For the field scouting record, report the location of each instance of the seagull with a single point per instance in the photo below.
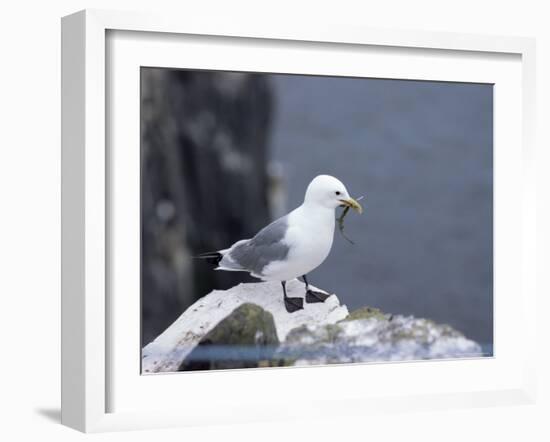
(292, 245)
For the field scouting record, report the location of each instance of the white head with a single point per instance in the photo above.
(329, 192)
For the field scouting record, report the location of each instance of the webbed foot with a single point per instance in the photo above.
(294, 304)
(313, 296)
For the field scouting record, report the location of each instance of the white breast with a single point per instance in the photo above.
(310, 234)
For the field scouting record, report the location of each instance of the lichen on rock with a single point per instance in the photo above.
(369, 335)
(244, 339)
(365, 313)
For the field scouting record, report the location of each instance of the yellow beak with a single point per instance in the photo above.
(350, 202)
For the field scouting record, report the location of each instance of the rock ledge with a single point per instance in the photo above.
(250, 320)
(171, 347)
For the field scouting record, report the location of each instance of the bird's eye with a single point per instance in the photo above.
(338, 192)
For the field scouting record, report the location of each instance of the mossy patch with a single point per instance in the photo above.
(326, 334)
(248, 324)
(246, 338)
(365, 313)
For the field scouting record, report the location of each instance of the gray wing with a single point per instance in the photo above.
(267, 246)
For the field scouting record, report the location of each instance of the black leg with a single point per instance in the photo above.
(314, 296)
(291, 304)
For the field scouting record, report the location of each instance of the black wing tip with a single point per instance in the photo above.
(210, 257)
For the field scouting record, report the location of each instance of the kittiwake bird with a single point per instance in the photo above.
(292, 245)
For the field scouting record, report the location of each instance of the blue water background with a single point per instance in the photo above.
(421, 154)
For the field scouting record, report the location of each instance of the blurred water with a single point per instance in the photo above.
(421, 153)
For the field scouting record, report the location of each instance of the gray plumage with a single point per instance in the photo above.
(255, 254)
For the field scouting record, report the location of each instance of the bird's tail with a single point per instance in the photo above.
(213, 258)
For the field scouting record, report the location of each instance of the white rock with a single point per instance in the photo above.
(167, 351)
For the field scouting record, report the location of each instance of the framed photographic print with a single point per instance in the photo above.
(251, 212)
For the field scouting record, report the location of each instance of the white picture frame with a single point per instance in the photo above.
(86, 204)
